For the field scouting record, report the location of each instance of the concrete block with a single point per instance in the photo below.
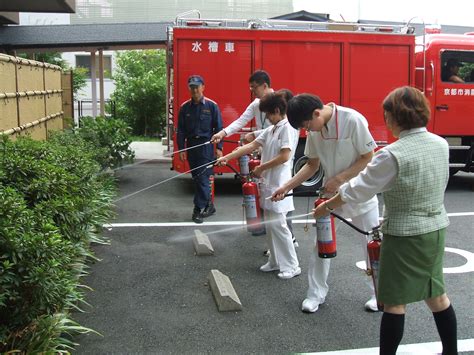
(224, 294)
(202, 244)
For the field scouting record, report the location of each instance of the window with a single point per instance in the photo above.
(457, 66)
(84, 61)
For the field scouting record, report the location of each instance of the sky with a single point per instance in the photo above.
(447, 12)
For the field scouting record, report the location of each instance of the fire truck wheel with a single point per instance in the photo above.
(314, 182)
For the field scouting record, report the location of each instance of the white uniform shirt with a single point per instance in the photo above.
(346, 138)
(378, 176)
(250, 112)
(273, 139)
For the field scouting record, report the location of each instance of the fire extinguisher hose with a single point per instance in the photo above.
(352, 225)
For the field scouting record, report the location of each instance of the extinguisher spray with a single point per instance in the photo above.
(373, 250)
(325, 232)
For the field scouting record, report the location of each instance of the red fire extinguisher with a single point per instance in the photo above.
(325, 233)
(254, 162)
(253, 213)
(211, 188)
(373, 250)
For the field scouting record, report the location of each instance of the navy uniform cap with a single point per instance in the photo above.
(195, 80)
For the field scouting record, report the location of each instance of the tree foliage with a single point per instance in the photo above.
(140, 90)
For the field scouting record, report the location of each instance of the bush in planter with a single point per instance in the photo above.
(53, 199)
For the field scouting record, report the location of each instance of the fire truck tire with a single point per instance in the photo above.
(310, 186)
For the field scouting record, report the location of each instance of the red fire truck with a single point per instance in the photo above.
(354, 65)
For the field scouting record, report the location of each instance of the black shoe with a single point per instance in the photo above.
(208, 211)
(197, 216)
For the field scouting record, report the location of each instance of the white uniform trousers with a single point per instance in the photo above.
(318, 269)
(282, 249)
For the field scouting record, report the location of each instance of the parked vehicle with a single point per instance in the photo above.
(354, 65)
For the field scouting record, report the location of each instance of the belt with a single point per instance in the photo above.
(197, 137)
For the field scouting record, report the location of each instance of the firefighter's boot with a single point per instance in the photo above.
(209, 210)
(197, 216)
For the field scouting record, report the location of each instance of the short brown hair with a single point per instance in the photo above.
(408, 107)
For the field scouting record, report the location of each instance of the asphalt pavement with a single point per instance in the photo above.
(150, 293)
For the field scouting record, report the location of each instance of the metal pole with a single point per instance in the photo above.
(101, 82)
(93, 86)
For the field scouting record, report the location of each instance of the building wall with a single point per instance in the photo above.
(119, 11)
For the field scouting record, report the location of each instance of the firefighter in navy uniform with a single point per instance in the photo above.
(199, 118)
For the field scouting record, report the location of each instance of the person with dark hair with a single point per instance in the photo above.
(199, 118)
(339, 139)
(259, 83)
(412, 174)
(450, 71)
(278, 144)
(470, 78)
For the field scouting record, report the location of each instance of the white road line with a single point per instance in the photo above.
(228, 223)
(408, 349)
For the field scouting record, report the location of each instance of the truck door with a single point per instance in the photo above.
(374, 71)
(305, 70)
(454, 103)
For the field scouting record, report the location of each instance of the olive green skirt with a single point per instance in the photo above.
(411, 268)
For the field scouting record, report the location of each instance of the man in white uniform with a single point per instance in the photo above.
(259, 83)
(338, 139)
(277, 143)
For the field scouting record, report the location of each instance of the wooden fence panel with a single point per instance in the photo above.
(55, 124)
(30, 78)
(30, 97)
(8, 113)
(53, 103)
(7, 76)
(31, 108)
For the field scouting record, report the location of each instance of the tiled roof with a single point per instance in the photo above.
(77, 37)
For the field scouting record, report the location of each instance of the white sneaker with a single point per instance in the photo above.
(269, 267)
(371, 305)
(285, 275)
(310, 306)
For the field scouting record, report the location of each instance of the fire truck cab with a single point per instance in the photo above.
(353, 65)
(451, 103)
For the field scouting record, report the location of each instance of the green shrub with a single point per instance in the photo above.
(110, 137)
(54, 199)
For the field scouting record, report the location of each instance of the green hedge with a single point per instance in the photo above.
(54, 198)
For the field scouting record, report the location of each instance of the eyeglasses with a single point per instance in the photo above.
(253, 87)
